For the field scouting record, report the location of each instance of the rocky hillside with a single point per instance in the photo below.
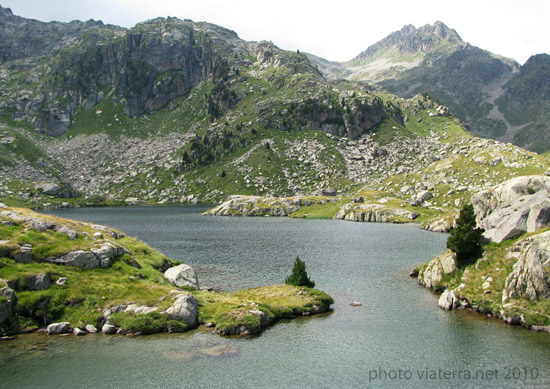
(510, 280)
(177, 111)
(68, 276)
(486, 91)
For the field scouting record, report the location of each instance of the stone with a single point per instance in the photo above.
(328, 192)
(58, 328)
(107, 253)
(49, 188)
(430, 276)
(423, 197)
(185, 308)
(78, 332)
(108, 329)
(39, 282)
(23, 255)
(73, 235)
(82, 259)
(528, 277)
(6, 308)
(91, 329)
(182, 275)
(448, 300)
(61, 281)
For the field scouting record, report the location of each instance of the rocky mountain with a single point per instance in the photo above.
(480, 87)
(177, 111)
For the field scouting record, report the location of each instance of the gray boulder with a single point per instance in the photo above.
(185, 308)
(448, 300)
(423, 196)
(82, 259)
(528, 277)
(182, 275)
(430, 276)
(78, 332)
(39, 282)
(73, 235)
(49, 188)
(6, 307)
(91, 329)
(58, 328)
(23, 255)
(513, 208)
(106, 254)
(108, 329)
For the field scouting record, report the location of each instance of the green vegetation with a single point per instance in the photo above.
(465, 237)
(135, 277)
(299, 275)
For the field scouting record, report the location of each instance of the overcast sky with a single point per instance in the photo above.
(337, 30)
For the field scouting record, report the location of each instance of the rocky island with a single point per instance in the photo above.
(67, 276)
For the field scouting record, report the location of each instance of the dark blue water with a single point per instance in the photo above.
(398, 338)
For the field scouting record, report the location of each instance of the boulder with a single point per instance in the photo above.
(49, 188)
(73, 235)
(107, 253)
(513, 208)
(58, 328)
(23, 255)
(423, 197)
(108, 329)
(185, 308)
(78, 332)
(430, 276)
(328, 192)
(528, 277)
(6, 307)
(182, 275)
(39, 282)
(82, 259)
(448, 300)
(91, 329)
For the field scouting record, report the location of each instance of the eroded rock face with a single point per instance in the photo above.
(513, 208)
(185, 308)
(430, 276)
(182, 275)
(6, 308)
(528, 277)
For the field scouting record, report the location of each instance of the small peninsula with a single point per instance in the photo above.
(65, 276)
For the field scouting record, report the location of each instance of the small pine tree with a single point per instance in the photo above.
(299, 275)
(464, 239)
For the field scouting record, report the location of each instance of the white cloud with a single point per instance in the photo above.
(336, 30)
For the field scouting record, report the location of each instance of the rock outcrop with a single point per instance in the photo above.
(182, 275)
(513, 208)
(374, 213)
(7, 303)
(530, 277)
(431, 274)
(185, 308)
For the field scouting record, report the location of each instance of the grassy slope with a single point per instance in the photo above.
(83, 297)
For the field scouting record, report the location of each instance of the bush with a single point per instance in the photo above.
(464, 238)
(299, 275)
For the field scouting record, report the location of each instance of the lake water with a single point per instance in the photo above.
(398, 338)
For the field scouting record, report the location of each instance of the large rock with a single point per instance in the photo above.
(82, 259)
(373, 213)
(39, 282)
(513, 208)
(6, 307)
(430, 276)
(530, 277)
(185, 308)
(448, 300)
(182, 275)
(49, 188)
(59, 328)
(108, 329)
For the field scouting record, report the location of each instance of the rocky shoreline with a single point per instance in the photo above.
(60, 277)
(509, 281)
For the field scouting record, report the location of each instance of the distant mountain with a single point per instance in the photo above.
(472, 82)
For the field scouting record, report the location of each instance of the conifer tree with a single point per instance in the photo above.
(464, 239)
(299, 275)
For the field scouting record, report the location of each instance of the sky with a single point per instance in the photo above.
(336, 30)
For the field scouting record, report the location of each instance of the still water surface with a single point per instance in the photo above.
(398, 338)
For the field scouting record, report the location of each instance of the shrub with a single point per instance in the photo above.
(299, 275)
(464, 239)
